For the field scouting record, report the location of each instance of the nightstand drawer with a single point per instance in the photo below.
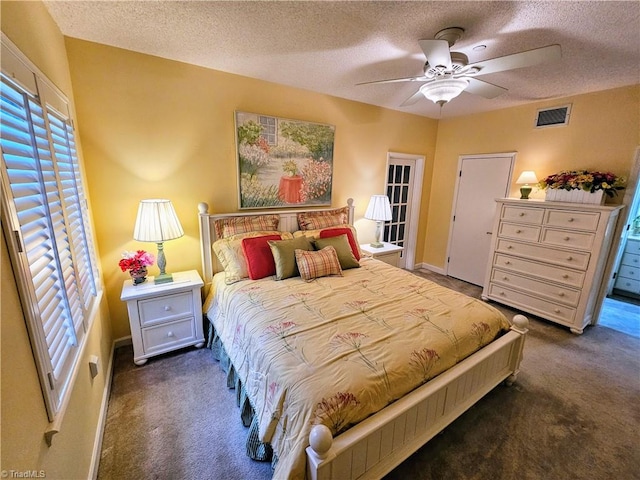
(538, 252)
(573, 220)
(566, 238)
(166, 308)
(628, 284)
(521, 232)
(168, 335)
(629, 272)
(631, 259)
(522, 214)
(633, 246)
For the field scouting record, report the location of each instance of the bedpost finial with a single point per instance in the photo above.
(521, 323)
(320, 440)
(203, 208)
(350, 202)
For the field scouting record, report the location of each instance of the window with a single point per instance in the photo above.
(44, 213)
(268, 129)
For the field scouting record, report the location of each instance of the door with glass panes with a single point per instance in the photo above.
(400, 178)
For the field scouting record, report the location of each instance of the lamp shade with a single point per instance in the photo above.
(442, 91)
(157, 222)
(528, 176)
(379, 208)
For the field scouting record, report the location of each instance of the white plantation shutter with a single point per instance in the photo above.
(45, 206)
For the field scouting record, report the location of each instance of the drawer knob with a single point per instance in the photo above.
(502, 293)
(570, 219)
(167, 308)
(567, 238)
(561, 294)
(566, 275)
(569, 258)
(507, 262)
(557, 310)
(505, 278)
(518, 231)
(169, 333)
(509, 247)
(521, 214)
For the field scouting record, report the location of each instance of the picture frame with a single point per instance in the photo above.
(283, 162)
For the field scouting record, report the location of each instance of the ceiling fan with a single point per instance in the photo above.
(447, 74)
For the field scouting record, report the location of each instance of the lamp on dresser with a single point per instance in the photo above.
(157, 222)
(525, 178)
(378, 210)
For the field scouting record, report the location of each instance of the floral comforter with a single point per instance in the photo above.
(338, 349)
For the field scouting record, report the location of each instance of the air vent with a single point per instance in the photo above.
(553, 117)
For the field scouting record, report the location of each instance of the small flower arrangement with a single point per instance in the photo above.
(584, 180)
(290, 168)
(135, 261)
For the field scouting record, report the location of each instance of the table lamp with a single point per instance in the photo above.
(157, 222)
(378, 210)
(525, 178)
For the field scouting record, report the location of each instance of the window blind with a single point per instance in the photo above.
(45, 203)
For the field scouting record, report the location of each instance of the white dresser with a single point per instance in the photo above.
(548, 258)
(164, 317)
(628, 277)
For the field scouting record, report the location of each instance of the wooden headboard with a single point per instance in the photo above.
(288, 223)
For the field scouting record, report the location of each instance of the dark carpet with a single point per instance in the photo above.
(574, 413)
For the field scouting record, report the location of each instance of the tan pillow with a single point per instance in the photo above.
(328, 218)
(317, 233)
(342, 247)
(231, 256)
(284, 255)
(321, 263)
(227, 227)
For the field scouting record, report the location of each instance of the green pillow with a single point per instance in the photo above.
(284, 255)
(343, 249)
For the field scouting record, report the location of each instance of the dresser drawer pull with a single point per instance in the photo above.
(169, 333)
(557, 310)
(507, 262)
(167, 308)
(567, 238)
(505, 278)
(509, 247)
(569, 258)
(502, 293)
(521, 214)
(518, 231)
(561, 294)
(570, 219)
(565, 275)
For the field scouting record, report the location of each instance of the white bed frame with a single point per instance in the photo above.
(378, 444)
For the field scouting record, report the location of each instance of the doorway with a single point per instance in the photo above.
(404, 189)
(481, 179)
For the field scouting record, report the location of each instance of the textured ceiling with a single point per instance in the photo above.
(329, 47)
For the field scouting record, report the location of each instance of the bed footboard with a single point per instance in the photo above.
(375, 446)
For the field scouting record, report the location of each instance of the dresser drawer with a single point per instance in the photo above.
(562, 275)
(168, 335)
(165, 308)
(629, 272)
(533, 304)
(627, 284)
(573, 220)
(537, 252)
(566, 238)
(521, 232)
(522, 214)
(555, 293)
(631, 260)
(633, 246)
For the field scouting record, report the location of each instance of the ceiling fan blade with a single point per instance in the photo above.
(437, 52)
(519, 60)
(421, 78)
(484, 89)
(412, 99)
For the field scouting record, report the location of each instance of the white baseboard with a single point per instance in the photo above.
(431, 268)
(97, 444)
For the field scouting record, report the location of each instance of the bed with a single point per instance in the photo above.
(343, 369)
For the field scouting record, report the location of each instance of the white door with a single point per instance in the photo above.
(481, 179)
(403, 187)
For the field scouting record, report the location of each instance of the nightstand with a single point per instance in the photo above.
(388, 253)
(164, 317)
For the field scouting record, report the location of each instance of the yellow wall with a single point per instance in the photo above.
(602, 134)
(158, 128)
(24, 417)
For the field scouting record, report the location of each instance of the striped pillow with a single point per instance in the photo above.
(323, 219)
(316, 264)
(227, 227)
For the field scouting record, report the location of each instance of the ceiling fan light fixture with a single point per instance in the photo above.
(445, 90)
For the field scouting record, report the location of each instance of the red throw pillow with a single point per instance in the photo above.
(334, 232)
(259, 258)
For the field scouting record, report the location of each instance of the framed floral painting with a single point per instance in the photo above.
(282, 162)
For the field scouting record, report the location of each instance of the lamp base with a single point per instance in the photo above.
(163, 278)
(376, 244)
(524, 192)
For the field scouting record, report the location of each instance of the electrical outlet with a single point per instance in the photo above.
(94, 365)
